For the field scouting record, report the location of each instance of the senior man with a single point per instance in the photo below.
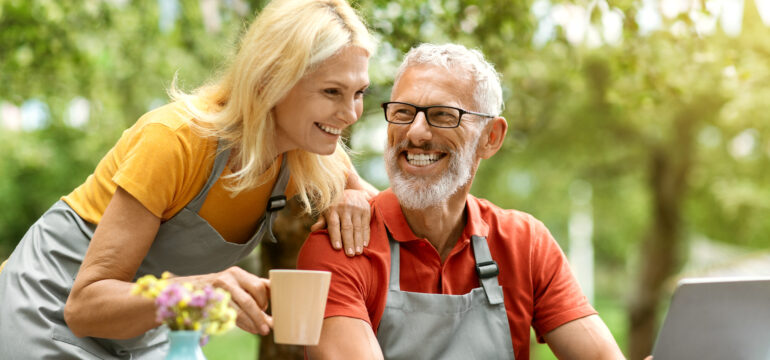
(447, 275)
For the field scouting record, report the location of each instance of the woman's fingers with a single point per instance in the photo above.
(348, 222)
(260, 291)
(358, 233)
(348, 235)
(252, 312)
(244, 322)
(365, 219)
(251, 295)
(333, 226)
(356, 209)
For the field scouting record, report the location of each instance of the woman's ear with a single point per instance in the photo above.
(492, 137)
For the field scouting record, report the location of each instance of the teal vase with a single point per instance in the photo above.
(184, 345)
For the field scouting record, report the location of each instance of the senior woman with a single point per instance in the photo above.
(192, 187)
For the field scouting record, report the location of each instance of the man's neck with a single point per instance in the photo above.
(441, 225)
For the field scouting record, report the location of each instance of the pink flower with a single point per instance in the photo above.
(183, 306)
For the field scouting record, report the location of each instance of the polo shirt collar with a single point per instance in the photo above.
(389, 210)
(476, 224)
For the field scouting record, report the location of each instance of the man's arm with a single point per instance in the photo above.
(584, 338)
(345, 337)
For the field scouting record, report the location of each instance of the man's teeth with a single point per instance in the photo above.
(329, 129)
(421, 159)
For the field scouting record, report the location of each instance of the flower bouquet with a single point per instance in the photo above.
(184, 306)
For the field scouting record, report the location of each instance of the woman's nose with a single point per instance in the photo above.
(350, 111)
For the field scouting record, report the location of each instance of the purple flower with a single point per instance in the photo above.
(184, 306)
(199, 300)
(163, 313)
(170, 296)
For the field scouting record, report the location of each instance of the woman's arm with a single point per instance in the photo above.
(100, 303)
(348, 219)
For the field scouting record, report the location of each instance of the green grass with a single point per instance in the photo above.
(236, 344)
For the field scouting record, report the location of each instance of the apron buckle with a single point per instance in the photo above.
(487, 269)
(276, 203)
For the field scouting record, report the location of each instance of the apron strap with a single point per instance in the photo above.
(394, 283)
(219, 165)
(487, 269)
(276, 202)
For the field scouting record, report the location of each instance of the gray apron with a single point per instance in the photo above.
(38, 277)
(438, 326)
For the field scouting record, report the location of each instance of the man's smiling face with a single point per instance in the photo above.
(426, 164)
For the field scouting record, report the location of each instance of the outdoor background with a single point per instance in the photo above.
(638, 130)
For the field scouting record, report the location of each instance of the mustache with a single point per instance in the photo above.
(427, 146)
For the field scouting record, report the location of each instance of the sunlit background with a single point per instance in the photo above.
(639, 130)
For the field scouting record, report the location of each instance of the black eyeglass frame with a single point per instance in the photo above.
(424, 110)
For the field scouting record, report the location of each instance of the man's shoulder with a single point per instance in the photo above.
(510, 227)
(491, 212)
(317, 248)
(317, 252)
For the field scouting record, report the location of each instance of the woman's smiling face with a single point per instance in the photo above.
(324, 102)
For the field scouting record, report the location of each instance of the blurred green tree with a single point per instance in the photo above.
(113, 55)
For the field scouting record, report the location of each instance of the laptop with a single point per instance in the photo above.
(717, 318)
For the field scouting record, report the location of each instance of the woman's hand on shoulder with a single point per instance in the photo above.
(348, 221)
(250, 294)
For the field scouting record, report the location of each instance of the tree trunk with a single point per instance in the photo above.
(291, 229)
(662, 246)
(658, 260)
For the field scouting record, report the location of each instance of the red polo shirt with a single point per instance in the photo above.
(538, 286)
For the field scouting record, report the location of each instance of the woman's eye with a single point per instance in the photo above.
(331, 91)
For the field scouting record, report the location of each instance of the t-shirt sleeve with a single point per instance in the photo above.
(558, 298)
(350, 276)
(152, 167)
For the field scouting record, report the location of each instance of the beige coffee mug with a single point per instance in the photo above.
(297, 302)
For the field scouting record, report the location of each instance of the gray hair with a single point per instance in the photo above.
(488, 93)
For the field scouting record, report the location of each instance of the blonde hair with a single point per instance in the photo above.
(287, 40)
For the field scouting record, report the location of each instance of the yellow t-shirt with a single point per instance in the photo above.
(164, 163)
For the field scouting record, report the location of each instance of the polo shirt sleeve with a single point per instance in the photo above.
(152, 167)
(558, 298)
(350, 282)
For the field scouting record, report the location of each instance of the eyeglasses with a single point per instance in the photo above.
(439, 116)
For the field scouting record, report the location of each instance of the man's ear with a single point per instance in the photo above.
(492, 137)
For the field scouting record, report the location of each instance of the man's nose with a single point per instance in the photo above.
(419, 130)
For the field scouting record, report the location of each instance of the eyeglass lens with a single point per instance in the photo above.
(436, 116)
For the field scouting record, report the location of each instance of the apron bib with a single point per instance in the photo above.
(438, 326)
(32, 297)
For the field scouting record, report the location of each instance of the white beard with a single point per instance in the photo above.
(414, 192)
